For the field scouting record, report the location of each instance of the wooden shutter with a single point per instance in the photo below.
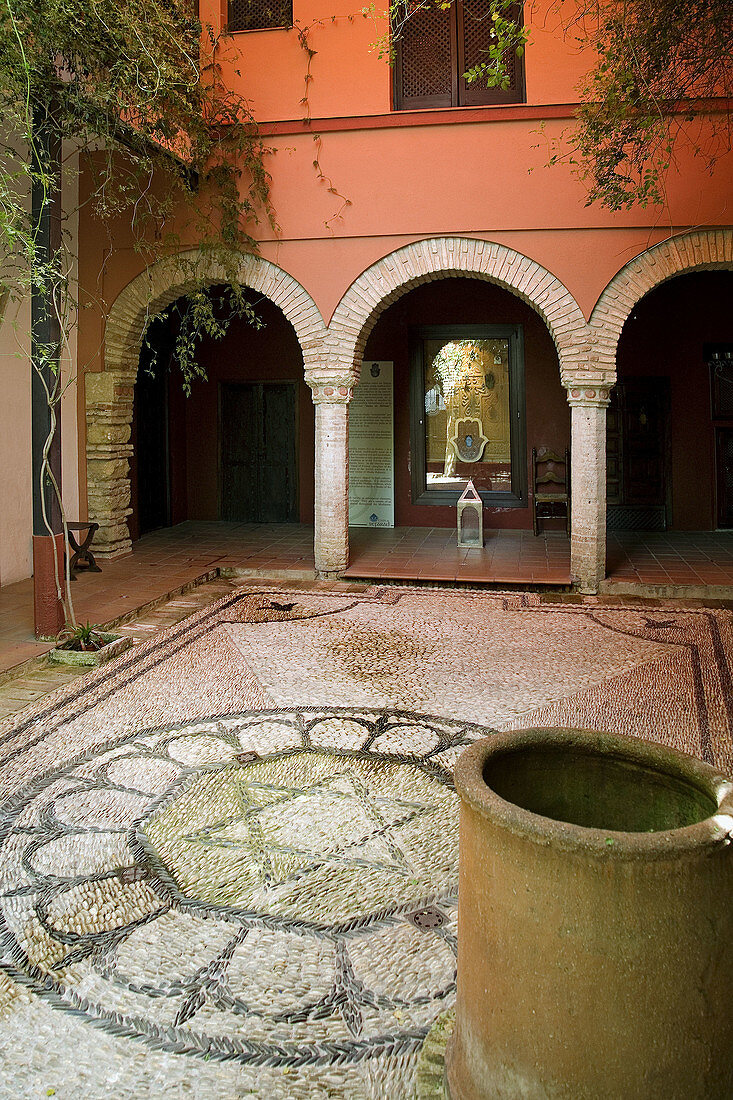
(474, 27)
(425, 74)
(437, 47)
(251, 15)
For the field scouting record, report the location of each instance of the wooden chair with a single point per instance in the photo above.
(551, 487)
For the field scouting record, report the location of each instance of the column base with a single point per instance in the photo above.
(330, 574)
(586, 589)
(110, 551)
(48, 610)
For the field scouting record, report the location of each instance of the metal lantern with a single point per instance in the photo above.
(470, 520)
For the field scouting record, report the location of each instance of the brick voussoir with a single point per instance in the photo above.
(684, 252)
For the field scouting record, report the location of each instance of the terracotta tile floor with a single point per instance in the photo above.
(663, 558)
(431, 553)
(160, 563)
(165, 560)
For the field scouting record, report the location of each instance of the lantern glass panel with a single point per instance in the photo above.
(469, 525)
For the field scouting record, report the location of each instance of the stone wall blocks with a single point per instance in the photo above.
(108, 501)
(109, 553)
(110, 433)
(107, 470)
(112, 534)
(106, 453)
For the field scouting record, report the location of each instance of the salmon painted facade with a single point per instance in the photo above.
(421, 225)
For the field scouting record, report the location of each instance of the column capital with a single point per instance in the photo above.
(596, 397)
(107, 387)
(331, 391)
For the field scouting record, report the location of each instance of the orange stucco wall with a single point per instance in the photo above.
(349, 77)
(477, 172)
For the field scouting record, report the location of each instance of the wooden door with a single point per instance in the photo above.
(240, 447)
(277, 480)
(637, 482)
(258, 468)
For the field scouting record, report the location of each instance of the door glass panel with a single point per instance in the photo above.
(467, 423)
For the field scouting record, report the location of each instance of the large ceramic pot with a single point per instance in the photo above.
(595, 937)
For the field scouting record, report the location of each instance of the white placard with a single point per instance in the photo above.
(371, 448)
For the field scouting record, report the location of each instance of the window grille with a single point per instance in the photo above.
(252, 15)
(426, 51)
(436, 47)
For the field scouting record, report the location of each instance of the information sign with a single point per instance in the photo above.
(371, 448)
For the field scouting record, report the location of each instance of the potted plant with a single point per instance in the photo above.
(87, 644)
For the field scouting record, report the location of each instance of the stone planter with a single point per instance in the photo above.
(595, 937)
(114, 645)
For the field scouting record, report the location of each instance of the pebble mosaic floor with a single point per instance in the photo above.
(228, 860)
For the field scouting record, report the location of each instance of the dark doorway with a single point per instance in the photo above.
(724, 465)
(637, 455)
(257, 439)
(152, 450)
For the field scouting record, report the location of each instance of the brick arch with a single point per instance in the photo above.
(441, 257)
(162, 283)
(698, 250)
(110, 393)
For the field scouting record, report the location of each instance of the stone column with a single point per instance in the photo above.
(588, 486)
(109, 399)
(331, 546)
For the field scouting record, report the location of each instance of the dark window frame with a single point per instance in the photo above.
(518, 496)
(721, 380)
(462, 93)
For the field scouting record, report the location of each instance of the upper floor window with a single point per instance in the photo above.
(437, 46)
(257, 15)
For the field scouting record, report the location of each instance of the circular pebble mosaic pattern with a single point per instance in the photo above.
(275, 888)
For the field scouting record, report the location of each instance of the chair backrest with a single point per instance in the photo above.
(551, 471)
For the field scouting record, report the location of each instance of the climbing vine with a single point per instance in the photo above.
(304, 41)
(132, 93)
(661, 74)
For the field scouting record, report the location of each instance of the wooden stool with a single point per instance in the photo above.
(82, 557)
